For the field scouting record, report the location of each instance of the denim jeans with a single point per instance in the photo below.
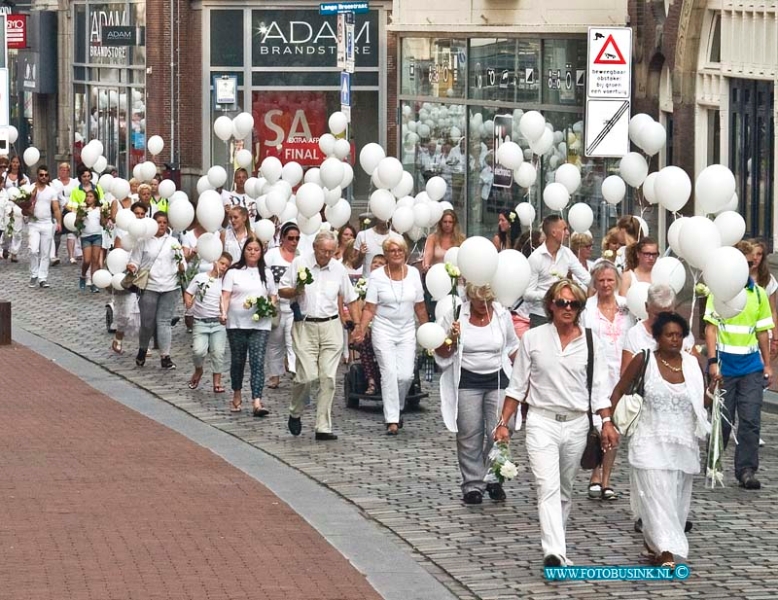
(743, 399)
(210, 336)
(156, 311)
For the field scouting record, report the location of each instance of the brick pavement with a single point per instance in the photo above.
(100, 502)
(409, 484)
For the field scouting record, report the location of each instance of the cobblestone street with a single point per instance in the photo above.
(409, 484)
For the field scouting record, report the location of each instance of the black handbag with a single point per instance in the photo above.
(592, 454)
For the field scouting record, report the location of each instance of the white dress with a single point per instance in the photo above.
(664, 456)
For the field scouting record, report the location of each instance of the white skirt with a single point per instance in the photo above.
(662, 500)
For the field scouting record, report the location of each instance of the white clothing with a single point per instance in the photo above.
(279, 346)
(556, 378)
(18, 182)
(40, 238)
(319, 299)
(611, 335)
(236, 199)
(639, 338)
(92, 224)
(163, 276)
(501, 327)
(241, 284)
(395, 352)
(542, 264)
(207, 292)
(189, 240)
(395, 300)
(374, 242)
(233, 245)
(589, 266)
(42, 211)
(279, 266)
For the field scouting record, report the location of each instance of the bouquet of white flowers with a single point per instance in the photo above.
(262, 307)
(360, 287)
(304, 276)
(500, 465)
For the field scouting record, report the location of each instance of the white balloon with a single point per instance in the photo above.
(672, 188)
(342, 149)
(633, 169)
(338, 122)
(222, 127)
(203, 184)
(124, 217)
(102, 278)
(436, 188)
(382, 204)
(415, 234)
(106, 182)
(544, 144)
(477, 260)
(243, 124)
(155, 145)
(217, 176)
(669, 271)
(178, 195)
(728, 309)
(97, 145)
(116, 280)
(209, 246)
(181, 214)
(101, 164)
(151, 227)
(648, 188)
(652, 138)
(275, 202)
(512, 276)
(210, 210)
(421, 215)
(673, 235)
(310, 199)
(526, 213)
(556, 196)
(262, 208)
(332, 197)
(292, 173)
(264, 230)
(436, 213)
(31, 156)
(313, 176)
(243, 158)
(369, 157)
(309, 226)
(69, 221)
(731, 226)
(580, 217)
(636, 125)
(733, 204)
(570, 176)
(532, 125)
(438, 282)
(89, 156)
(339, 214)
(13, 134)
(714, 188)
(331, 172)
(643, 224)
(446, 307)
(408, 201)
(725, 272)
(510, 155)
(148, 170)
(137, 228)
(430, 336)
(403, 219)
(289, 213)
(405, 186)
(699, 237)
(327, 144)
(613, 189)
(348, 176)
(271, 169)
(451, 256)
(136, 172)
(526, 175)
(390, 171)
(637, 295)
(117, 260)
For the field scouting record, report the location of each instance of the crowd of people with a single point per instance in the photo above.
(556, 363)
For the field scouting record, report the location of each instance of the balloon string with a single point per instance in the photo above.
(696, 278)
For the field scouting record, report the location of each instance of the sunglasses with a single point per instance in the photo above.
(293, 238)
(43, 174)
(568, 304)
(650, 254)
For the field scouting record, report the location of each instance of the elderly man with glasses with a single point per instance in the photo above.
(40, 233)
(561, 373)
(318, 283)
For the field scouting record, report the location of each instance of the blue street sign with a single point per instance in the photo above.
(334, 8)
(345, 88)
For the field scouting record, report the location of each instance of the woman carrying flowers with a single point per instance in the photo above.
(245, 283)
(89, 224)
(13, 177)
(203, 297)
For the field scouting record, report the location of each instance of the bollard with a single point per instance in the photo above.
(5, 323)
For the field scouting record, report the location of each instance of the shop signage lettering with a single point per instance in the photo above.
(16, 31)
(298, 37)
(122, 35)
(109, 19)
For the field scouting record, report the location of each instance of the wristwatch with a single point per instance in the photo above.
(713, 361)
(606, 420)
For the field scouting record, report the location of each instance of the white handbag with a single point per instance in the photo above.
(627, 412)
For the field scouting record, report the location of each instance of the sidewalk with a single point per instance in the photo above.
(101, 502)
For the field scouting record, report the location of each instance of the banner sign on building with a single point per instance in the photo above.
(16, 31)
(119, 35)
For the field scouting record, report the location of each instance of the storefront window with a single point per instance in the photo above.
(227, 38)
(505, 70)
(564, 69)
(434, 67)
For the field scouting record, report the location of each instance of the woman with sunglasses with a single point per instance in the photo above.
(550, 376)
(641, 258)
(234, 236)
(280, 355)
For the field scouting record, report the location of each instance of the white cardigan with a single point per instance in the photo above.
(451, 366)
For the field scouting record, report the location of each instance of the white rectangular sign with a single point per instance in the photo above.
(5, 106)
(350, 50)
(341, 35)
(607, 128)
(609, 64)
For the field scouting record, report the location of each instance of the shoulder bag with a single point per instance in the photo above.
(627, 412)
(138, 281)
(592, 454)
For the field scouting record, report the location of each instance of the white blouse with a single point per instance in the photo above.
(242, 283)
(395, 300)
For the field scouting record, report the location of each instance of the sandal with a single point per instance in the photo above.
(595, 491)
(370, 390)
(116, 346)
(194, 383)
(236, 408)
(392, 429)
(609, 494)
(260, 411)
(665, 559)
(218, 389)
(274, 383)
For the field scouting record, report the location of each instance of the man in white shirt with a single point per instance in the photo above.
(369, 242)
(40, 233)
(551, 375)
(239, 197)
(317, 338)
(550, 263)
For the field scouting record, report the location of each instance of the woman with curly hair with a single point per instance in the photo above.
(508, 230)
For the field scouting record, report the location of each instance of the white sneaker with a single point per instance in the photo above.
(761, 442)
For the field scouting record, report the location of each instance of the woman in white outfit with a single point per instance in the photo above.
(14, 177)
(234, 236)
(279, 345)
(641, 258)
(476, 368)
(664, 450)
(609, 319)
(394, 295)
(126, 309)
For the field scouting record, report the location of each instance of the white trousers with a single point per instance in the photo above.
(555, 450)
(39, 239)
(395, 353)
(279, 346)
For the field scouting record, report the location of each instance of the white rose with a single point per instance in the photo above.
(255, 317)
(508, 470)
